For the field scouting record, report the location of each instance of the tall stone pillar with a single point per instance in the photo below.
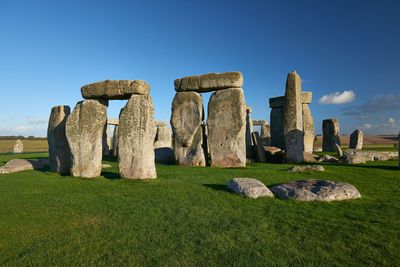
(115, 141)
(186, 119)
(249, 130)
(356, 139)
(106, 141)
(293, 119)
(84, 131)
(265, 134)
(308, 123)
(276, 122)
(163, 136)
(59, 152)
(331, 134)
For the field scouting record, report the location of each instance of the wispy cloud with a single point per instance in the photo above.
(376, 104)
(338, 98)
(391, 125)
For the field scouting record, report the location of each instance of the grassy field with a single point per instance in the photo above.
(29, 145)
(187, 218)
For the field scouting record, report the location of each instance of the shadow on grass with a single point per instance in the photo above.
(382, 167)
(217, 187)
(111, 175)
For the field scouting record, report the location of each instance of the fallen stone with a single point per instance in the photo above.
(320, 190)
(84, 130)
(328, 158)
(115, 89)
(274, 154)
(249, 187)
(106, 166)
(356, 139)
(307, 168)
(18, 147)
(136, 133)
(59, 151)
(353, 156)
(209, 82)
(18, 165)
(227, 128)
(187, 138)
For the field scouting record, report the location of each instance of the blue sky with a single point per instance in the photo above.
(49, 49)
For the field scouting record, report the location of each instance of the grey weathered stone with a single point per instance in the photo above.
(258, 148)
(136, 133)
(249, 187)
(18, 165)
(338, 150)
(356, 139)
(59, 152)
(265, 134)
(307, 168)
(277, 136)
(328, 158)
(277, 102)
(186, 118)
(115, 89)
(18, 147)
(250, 153)
(115, 142)
(331, 134)
(227, 128)
(274, 154)
(209, 82)
(163, 136)
(354, 156)
(107, 142)
(84, 131)
(309, 157)
(321, 190)
(309, 130)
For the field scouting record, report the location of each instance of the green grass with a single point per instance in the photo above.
(187, 218)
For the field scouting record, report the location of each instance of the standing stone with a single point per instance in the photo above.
(331, 134)
(84, 130)
(265, 134)
(277, 137)
(186, 119)
(18, 147)
(309, 130)
(205, 142)
(227, 128)
(106, 141)
(259, 149)
(115, 141)
(136, 133)
(163, 136)
(249, 130)
(293, 119)
(59, 152)
(356, 139)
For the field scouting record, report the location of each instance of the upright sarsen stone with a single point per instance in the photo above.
(136, 133)
(331, 134)
(163, 136)
(250, 152)
(356, 139)
(59, 152)
(18, 147)
(84, 131)
(227, 128)
(115, 142)
(293, 119)
(265, 134)
(309, 130)
(186, 119)
(276, 119)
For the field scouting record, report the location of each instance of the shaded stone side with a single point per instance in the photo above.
(59, 152)
(277, 137)
(265, 134)
(331, 134)
(115, 142)
(107, 143)
(249, 139)
(136, 133)
(186, 118)
(84, 131)
(356, 139)
(309, 130)
(258, 148)
(227, 128)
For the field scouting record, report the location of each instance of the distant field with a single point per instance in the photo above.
(29, 145)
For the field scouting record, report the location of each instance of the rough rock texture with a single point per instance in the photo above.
(327, 158)
(117, 89)
(353, 156)
(209, 82)
(265, 134)
(293, 119)
(107, 143)
(115, 142)
(18, 165)
(309, 157)
(338, 150)
(356, 139)
(164, 155)
(163, 136)
(321, 190)
(331, 134)
(84, 130)
(274, 154)
(309, 130)
(307, 168)
(250, 153)
(249, 187)
(136, 133)
(258, 148)
(18, 147)
(277, 137)
(227, 128)
(59, 152)
(186, 118)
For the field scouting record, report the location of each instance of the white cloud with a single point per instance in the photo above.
(338, 97)
(390, 126)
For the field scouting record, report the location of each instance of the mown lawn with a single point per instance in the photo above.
(187, 218)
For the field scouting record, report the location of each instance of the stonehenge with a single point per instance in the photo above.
(59, 151)
(331, 134)
(225, 130)
(356, 139)
(18, 147)
(249, 131)
(163, 136)
(115, 90)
